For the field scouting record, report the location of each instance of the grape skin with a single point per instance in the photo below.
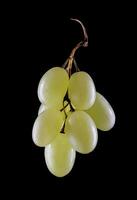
(81, 131)
(60, 156)
(102, 113)
(42, 108)
(81, 91)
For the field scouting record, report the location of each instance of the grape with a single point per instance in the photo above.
(46, 127)
(102, 113)
(81, 131)
(81, 91)
(60, 156)
(53, 87)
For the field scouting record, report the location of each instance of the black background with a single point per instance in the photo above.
(38, 38)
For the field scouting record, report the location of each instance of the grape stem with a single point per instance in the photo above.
(64, 107)
(83, 43)
(72, 110)
(63, 128)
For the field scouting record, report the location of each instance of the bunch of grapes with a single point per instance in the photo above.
(71, 111)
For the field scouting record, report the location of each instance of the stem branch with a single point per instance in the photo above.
(83, 43)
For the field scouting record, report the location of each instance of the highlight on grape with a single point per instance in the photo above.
(70, 113)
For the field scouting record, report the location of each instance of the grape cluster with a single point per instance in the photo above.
(71, 111)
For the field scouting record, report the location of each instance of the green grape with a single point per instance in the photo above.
(60, 156)
(47, 126)
(81, 91)
(53, 87)
(42, 108)
(81, 131)
(102, 113)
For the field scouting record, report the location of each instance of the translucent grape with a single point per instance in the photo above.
(81, 131)
(81, 91)
(60, 156)
(47, 125)
(53, 87)
(102, 113)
